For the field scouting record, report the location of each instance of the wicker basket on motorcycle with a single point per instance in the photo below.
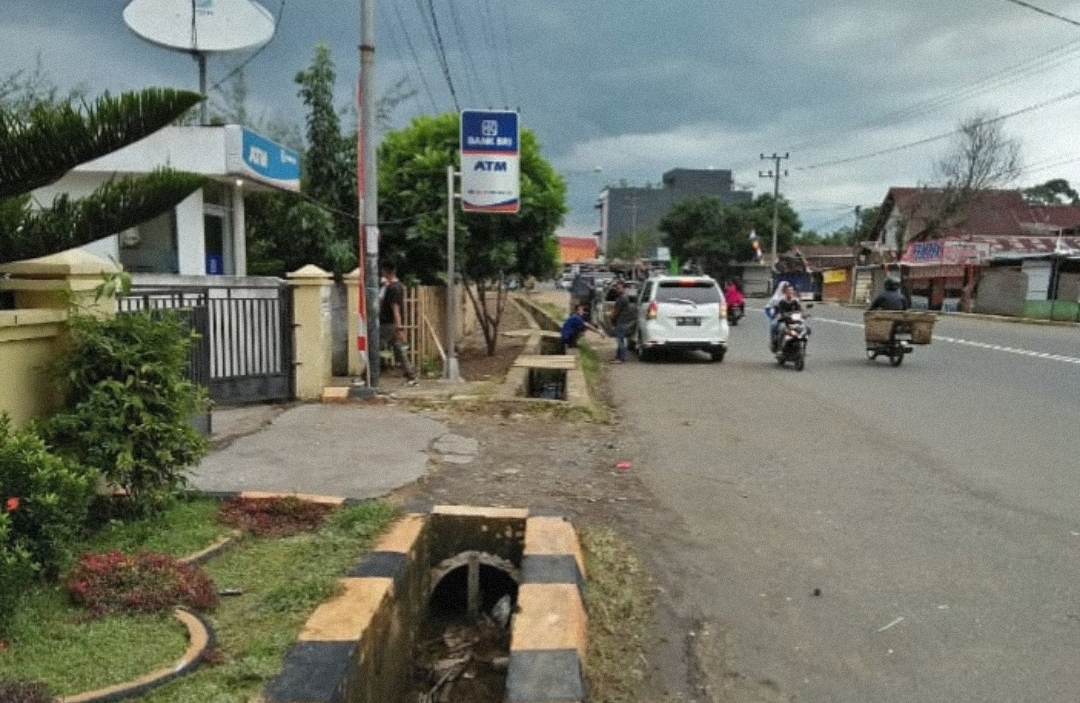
(878, 325)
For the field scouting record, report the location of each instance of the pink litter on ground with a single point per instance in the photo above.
(623, 466)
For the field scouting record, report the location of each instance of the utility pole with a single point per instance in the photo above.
(452, 372)
(774, 174)
(368, 188)
(633, 207)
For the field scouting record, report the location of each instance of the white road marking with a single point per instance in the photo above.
(978, 345)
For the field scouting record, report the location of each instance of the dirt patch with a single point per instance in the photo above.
(476, 365)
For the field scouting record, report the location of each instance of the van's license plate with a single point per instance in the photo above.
(688, 321)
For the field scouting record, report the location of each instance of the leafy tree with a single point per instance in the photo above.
(640, 244)
(702, 230)
(1056, 191)
(37, 148)
(490, 247)
(286, 232)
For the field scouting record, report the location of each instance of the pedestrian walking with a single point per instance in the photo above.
(391, 315)
(622, 314)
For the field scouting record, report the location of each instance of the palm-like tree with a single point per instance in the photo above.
(38, 148)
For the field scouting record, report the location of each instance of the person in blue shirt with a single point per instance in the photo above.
(574, 326)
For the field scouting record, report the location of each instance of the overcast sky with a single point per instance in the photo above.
(639, 86)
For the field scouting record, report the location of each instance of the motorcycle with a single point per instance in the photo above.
(735, 313)
(793, 334)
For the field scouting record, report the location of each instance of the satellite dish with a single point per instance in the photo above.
(201, 27)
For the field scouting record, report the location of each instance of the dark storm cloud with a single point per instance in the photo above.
(640, 86)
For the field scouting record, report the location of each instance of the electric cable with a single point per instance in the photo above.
(412, 51)
(254, 55)
(510, 62)
(994, 81)
(1041, 11)
(1069, 95)
(489, 37)
(441, 50)
(470, 65)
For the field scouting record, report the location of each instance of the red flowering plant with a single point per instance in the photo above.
(44, 498)
(113, 582)
(274, 517)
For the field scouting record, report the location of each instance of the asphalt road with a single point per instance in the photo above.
(936, 506)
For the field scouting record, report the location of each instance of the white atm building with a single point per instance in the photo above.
(205, 233)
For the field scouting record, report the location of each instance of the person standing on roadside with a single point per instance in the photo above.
(391, 316)
(621, 316)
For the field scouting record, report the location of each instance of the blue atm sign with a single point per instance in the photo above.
(490, 161)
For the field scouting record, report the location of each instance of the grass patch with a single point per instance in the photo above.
(189, 525)
(283, 579)
(52, 642)
(619, 601)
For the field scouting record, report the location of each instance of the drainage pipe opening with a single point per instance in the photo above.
(464, 645)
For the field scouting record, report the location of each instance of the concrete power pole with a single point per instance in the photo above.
(369, 205)
(775, 175)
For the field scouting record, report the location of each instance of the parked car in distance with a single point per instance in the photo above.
(681, 312)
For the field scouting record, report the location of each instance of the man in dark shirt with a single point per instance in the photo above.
(892, 298)
(621, 316)
(391, 314)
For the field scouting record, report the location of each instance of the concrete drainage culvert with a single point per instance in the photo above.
(461, 605)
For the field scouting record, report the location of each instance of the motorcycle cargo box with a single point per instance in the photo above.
(879, 325)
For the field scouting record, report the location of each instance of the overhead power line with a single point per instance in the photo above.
(945, 135)
(254, 55)
(476, 84)
(489, 37)
(415, 57)
(441, 50)
(1041, 11)
(993, 81)
(510, 62)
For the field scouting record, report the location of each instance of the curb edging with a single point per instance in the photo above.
(201, 639)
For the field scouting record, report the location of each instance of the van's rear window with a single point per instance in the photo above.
(697, 292)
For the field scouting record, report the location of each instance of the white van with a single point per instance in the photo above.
(681, 312)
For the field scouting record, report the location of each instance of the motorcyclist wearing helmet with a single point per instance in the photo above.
(891, 298)
(787, 305)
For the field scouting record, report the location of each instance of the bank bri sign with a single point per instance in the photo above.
(490, 161)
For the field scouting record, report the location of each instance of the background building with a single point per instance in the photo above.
(627, 209)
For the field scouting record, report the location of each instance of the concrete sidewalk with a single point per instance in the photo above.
(356, 451)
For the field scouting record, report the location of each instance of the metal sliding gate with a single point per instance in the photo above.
(244, 349)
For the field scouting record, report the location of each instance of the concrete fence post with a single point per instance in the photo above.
(59, 280)
(311, 322)
(352, 297)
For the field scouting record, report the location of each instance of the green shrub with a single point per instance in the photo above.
(129, 403)
(16, 571)
(45, 498)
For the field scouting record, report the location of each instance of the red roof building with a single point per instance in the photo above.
(575, 249)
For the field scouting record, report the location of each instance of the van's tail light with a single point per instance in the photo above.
(723, 311)
(652, 311)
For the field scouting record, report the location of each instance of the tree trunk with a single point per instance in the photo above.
(488, 325)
